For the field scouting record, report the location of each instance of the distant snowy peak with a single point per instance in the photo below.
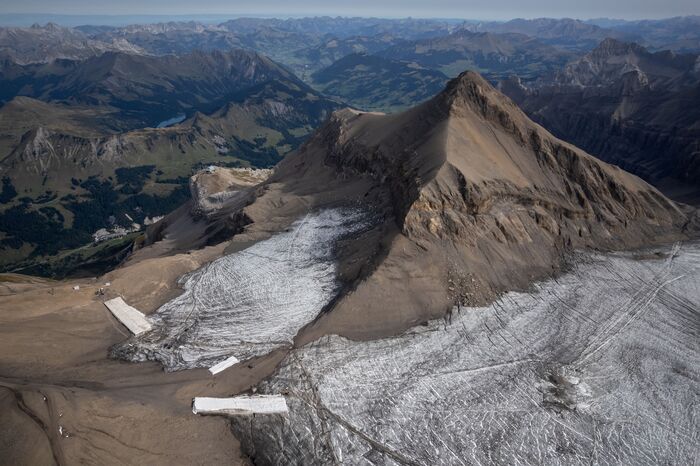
(44, 44)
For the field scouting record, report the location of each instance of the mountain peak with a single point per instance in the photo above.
(471, 93)
(611, 47)
(468, 88)
(467, 178)
(469, 78)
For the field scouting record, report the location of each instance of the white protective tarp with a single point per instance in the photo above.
(223, 365)
(130, 317)
(241, 405)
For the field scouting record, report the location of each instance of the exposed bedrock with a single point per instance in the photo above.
(482, 200)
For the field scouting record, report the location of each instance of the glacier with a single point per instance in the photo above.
(251, 302)
(600, 365)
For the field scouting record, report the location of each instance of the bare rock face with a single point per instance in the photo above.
(477, 199)
(44, 44)
(214, 186)
(627, 106)
(603, 64)
(554, 184)
(43, 151)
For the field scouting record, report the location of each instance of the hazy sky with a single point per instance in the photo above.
(470, 9)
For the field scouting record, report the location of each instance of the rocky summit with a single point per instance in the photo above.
(461, 181)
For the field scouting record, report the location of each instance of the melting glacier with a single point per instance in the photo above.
(598, 366)
(250, 302)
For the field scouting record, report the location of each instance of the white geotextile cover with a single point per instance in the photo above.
(241, 405)
(130, 317)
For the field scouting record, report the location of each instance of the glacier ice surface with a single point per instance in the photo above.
(250, 302)
(598, 366)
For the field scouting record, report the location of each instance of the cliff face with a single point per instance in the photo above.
(476, 199)
(471, 149)
(214, 187)
(498, 160)
(627, 106)
(613, 59)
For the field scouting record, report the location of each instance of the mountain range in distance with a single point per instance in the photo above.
(372, 82)
(82, 105)
(629, 106)
(75, 131)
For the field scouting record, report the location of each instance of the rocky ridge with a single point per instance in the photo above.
(627, 106)
(476, 197)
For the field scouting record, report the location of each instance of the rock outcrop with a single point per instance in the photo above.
(476, 199)
(627, 106)
(213, 187)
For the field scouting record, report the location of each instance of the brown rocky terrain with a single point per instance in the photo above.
(470, 198)
(212, 188)
(475, 199)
